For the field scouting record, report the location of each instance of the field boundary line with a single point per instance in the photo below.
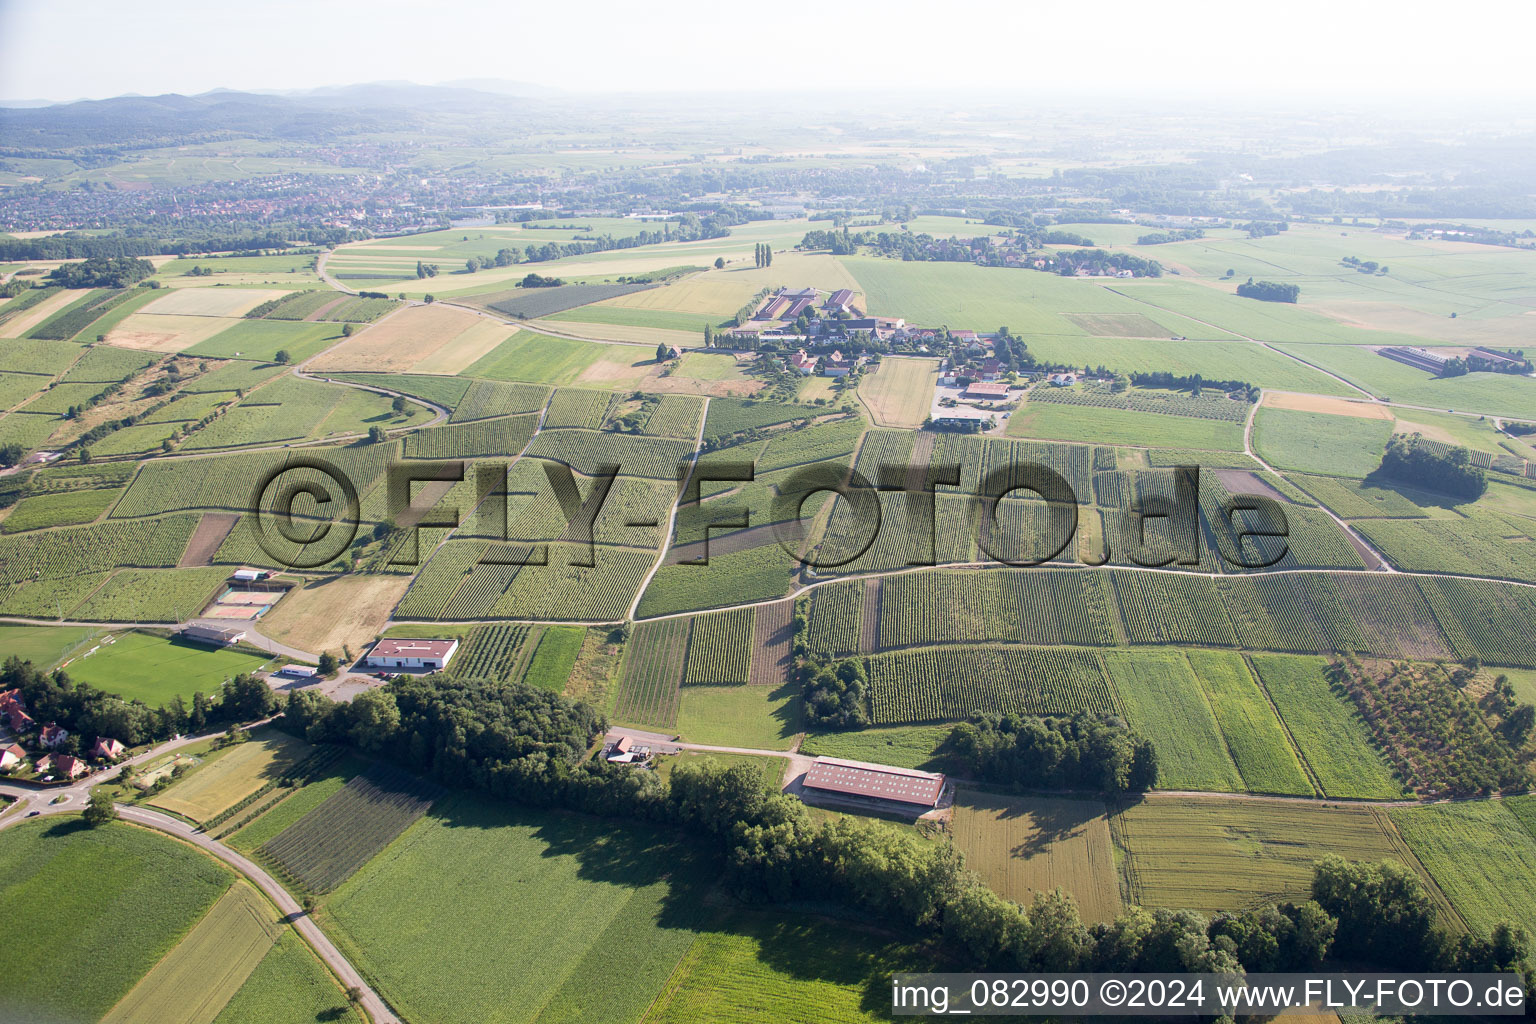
(666, 539)
(1301, 758)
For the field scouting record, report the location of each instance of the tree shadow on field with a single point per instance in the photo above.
(1053, 819)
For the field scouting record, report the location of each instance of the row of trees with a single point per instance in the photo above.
(102, 272)
(1412, 459)
(1080, 752)
(528, 745)
(762, 255)
(1269, 291)
(87, 712)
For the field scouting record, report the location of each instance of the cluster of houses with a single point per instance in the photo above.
(795, 315)
(834, 365)
(51, 765)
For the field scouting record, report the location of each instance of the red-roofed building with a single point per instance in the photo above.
(19, 720)
(68, 766)
(11, 698)
(806, 364)
(987, 392)
(52, 735)
(877, 782)
(432, 655)
(107, 748)
(12, 756)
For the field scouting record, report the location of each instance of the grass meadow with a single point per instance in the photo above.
(764, 717)
(74, 886)
(554, 658)
(44, 645)
(1490, 393)
(906, 746)
(154, 668)
(1311, 442)
(289, 986)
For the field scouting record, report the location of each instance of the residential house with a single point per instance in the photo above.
(68, 766)
(53, 735)
(12, 756)
(805, 364)
(107, 748)
(19, 720)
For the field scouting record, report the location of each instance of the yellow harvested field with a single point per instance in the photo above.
(166, 333)
(30, 318)
(464, 350)
(235, 775)
(211, 301)
(343, 611)
(196, 979)
(1024, 845)
(616, 367)
(371, 247)
(900, 393)
(1430, 431)
(401, 340)
(1323, 404)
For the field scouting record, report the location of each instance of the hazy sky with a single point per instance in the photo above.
(66, 49)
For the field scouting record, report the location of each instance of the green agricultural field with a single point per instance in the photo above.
(154, 668)
(73, 885)
(206, 969)
(1480, 855)
(67, 508)
(290, 809)
(905, 746)
(263, 339)
(636, 316)
(151, 595)
(44, 645)
(1166, 703)
(762, 717)
(1320, 443)
(289, 986)
(1327, 728)
(1475, 543)
(539, 359)
(605, 913)
(752, 966)
(1214, 855)
(1258, 743)
(756, 574)
(1061, 422)
(1491, 393)
(554, 658)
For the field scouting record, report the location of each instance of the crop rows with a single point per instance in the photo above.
(505, 436)
(103, 364)
(946, 683)
(720, 648)
(489, 398)
(361, 311)
(492, 652)
(1210, 405)
(436, 581)
(229, 481)
(898, 541)
(729, 416)
(813, 444)
(486, 582)
(26, 300)
(152, 595)
(322, 849)
(76, 317)
(836, 614)
(653, 669)
(1492, 621)
(52, 554)
(883, 448)
(300, 305)
(1168, 608)
(25, 355)
(586, 450)
(675, 416)
(562, 591)
(532, 303)
(575, 407)
(445, 391)
(1036, 606)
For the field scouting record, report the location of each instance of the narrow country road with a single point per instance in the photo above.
(38, 802)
